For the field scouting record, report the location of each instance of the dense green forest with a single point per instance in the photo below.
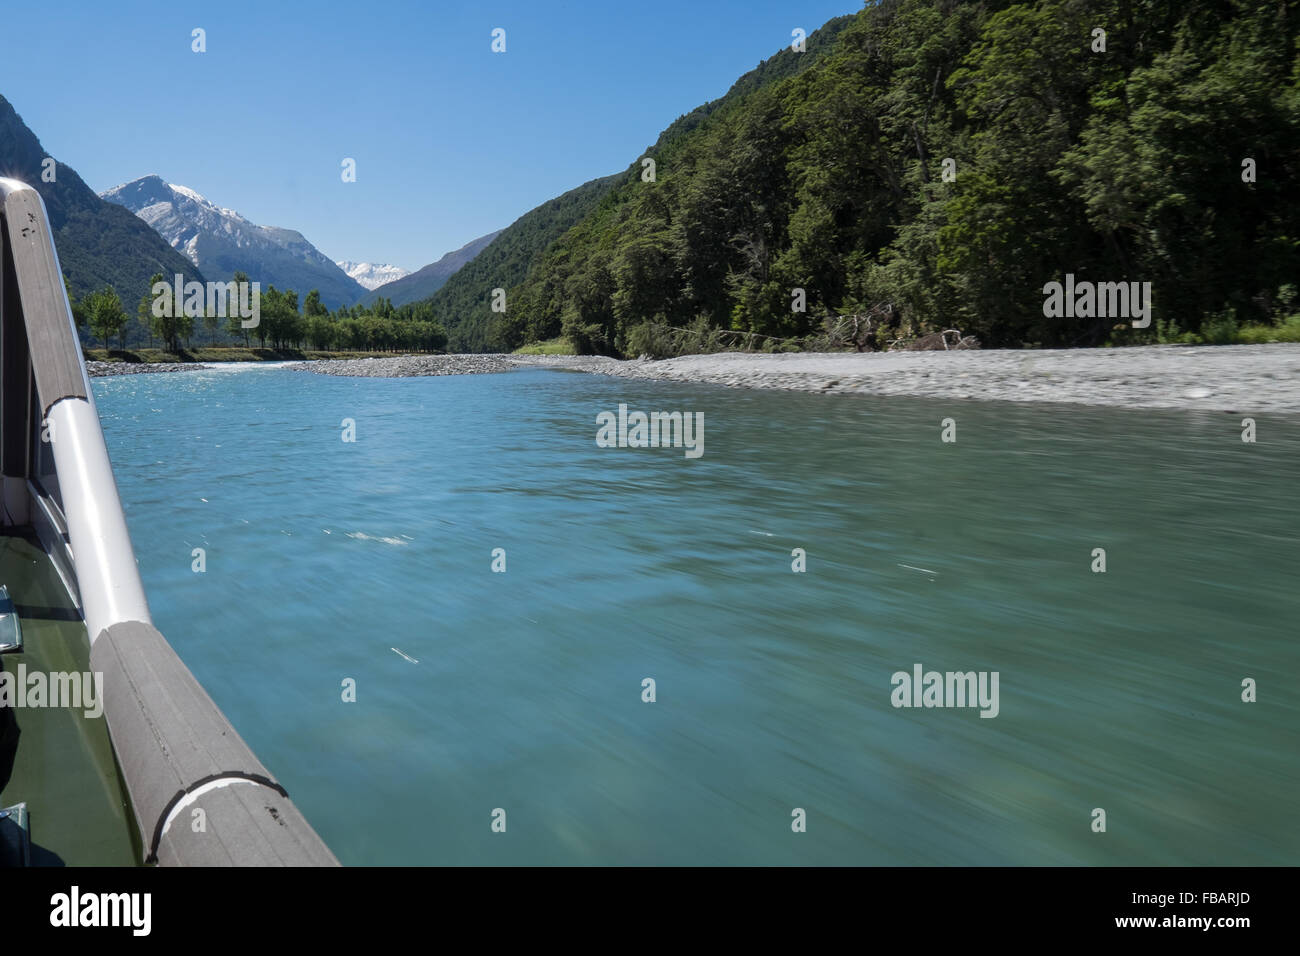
(504, 263)
(464, 301)
(945, 160)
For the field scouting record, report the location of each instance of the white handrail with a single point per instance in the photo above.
(174, 745)
(107, 576)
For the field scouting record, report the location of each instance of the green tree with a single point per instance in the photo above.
(291, 326)
(105, 314)
(211, 323)
(269, 325)
(144, 310)
(320, 331)
(234, 321)
(311, 306)
(78, 312)
(173, 325)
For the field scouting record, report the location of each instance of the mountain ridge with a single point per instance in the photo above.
(221, 241)
(463, 306)
(425, 281)
(99, 243)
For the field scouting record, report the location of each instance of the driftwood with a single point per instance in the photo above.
(856, 330)
(939, 341)
(841, 331)
(748, 338)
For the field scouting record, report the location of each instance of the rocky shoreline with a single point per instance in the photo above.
(1232, 378)
(102, 369)
(1236, 378)
(409, 366)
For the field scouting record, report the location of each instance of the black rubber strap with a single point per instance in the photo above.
(181, 794)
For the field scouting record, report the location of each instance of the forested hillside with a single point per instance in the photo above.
(99, 244)
(463, 304)
(948, 159)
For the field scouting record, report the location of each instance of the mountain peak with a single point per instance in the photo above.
(188, 193)
(371, 275)
(222, 242)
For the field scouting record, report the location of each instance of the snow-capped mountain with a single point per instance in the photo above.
(220, 242)
(423, 283)
(371, 275)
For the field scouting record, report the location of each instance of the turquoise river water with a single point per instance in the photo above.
(523, 691)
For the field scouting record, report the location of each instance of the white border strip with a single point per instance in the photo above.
(197, 792)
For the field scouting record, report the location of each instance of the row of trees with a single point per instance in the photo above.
(282, 324)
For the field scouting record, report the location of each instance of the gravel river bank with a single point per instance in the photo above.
(1219, 378)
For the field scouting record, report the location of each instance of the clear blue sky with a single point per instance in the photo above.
(451, 140)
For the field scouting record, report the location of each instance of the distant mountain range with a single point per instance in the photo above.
(99, 243)
(371, 275)
(125, 235)
(221, 242)
(425, 282)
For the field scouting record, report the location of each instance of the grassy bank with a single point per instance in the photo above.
(660, 341)
(1225, 331)
(560, 346)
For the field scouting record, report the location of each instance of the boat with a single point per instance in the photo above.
(111, 752)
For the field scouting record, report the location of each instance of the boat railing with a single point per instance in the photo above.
(177, 752)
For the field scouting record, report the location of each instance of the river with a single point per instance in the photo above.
(327, 561)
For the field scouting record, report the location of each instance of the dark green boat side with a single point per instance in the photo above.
(56, 760)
